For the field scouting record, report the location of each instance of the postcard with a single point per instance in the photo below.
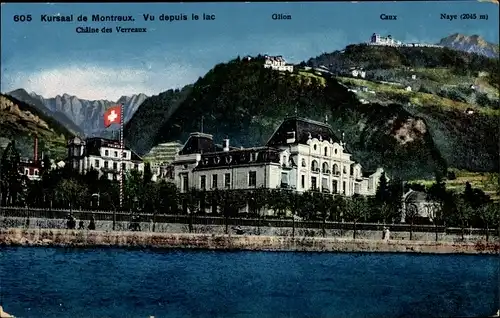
(133, 134)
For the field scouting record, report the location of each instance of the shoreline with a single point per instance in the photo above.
(150, 240)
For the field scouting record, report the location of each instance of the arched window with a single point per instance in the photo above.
(335, 169)
(315, 147)
(344, 170)
(304, 164)
(335, 150)
(325, 167)
(326, 151)
(314, 166)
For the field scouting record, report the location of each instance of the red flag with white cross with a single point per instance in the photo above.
(113, 116)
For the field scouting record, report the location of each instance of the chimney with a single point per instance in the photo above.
(226, 144)
(35, 150)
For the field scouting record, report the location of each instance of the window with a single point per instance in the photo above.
(227, 180)
(356, 188)
(136, 166)
(124, 155)
(303, 181)
(344, 170)
(284, 180)
(96, 163)
(115, 166)
(336, 169)
(313, 183)
(106, 164)
(252, 178)
(185, 182)
(326, 168)
(36, 172)
(203, 182)
(324, 184)
(304, 164)
(326, 151)
(343, 187)
(106, 153)
(124, 167)
(116, 153)
(314, 166)
(315, 147)
(335, 186)
(26, 171)
(335, 150)
(214, 181)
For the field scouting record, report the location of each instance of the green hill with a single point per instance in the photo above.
(21, 122)
(247, 102)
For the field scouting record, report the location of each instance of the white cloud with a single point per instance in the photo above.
(94, 82)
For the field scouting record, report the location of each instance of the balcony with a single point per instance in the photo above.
(336, 173)
(316, 170)
(284, 185)
(326, 171)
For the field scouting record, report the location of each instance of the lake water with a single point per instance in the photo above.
(57, 282)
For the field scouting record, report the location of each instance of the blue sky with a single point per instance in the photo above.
(50, 58)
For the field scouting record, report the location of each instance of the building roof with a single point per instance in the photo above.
(415, 196)
(199, 143)
(202, 143)
(303, 128)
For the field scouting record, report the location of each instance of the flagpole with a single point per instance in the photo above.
(121, 156)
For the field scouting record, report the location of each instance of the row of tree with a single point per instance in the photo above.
(67, 189)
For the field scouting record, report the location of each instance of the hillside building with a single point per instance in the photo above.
(277, 63)
(32, 167)
(301, 155)
(160, 158)
(102, 155)
(377, 39)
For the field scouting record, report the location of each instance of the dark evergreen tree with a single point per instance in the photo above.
(11, 183)
(148, 174)
(382, 193)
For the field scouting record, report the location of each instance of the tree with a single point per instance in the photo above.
(169, 194)
(258, 200)
(71, 192)
(148, 174)
(394, 197)
(10, 178)
(356, 209)
(192, 200)
(411, 213)
(385, 212)
(490, 215)
(382, 193)
(463, 212)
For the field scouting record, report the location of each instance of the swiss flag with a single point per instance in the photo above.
(112, 115)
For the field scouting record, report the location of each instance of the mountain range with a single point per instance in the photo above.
(83, 117)
(471, 44)
(417, 132)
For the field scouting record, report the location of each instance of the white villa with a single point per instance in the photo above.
(301, 155)
(102, 155)
(377, 39)
(277, 63)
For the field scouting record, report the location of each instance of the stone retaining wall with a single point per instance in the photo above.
(85, 238)
(37, 223)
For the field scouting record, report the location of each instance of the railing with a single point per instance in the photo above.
(232, 221)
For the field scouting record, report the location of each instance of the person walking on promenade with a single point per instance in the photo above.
(92, 223)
